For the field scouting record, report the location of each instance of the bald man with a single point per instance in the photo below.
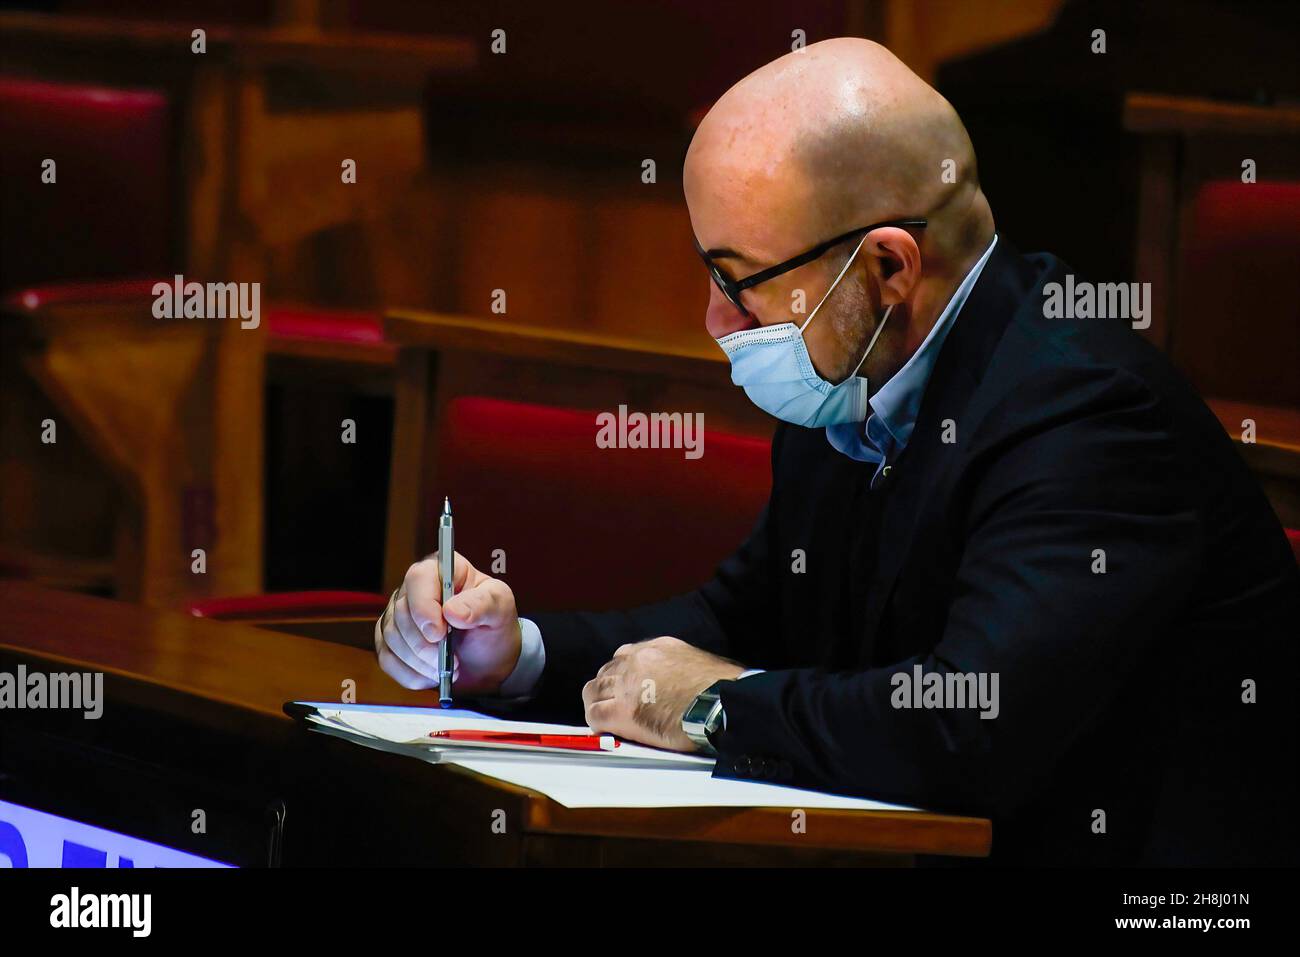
(1011, 565)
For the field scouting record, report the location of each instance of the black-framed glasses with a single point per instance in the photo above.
(732, 288)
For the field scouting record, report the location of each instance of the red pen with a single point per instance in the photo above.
(567, 742)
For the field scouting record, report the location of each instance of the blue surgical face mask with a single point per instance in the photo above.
(772, 365)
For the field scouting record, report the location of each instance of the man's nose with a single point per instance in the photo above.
(721, 318)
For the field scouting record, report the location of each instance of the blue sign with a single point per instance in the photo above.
(30, 838)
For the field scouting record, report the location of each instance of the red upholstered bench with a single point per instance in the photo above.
(344, 617)
(107, 214)
(586, 527)
(579, 526)
(1238, 271)
(341, 335)
(291, 605)
(112, 292)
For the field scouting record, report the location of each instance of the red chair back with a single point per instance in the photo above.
(585, 527)
(106, 213)
(1238, 308)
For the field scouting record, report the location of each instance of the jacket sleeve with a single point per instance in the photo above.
(1089, 476)
(725, 616)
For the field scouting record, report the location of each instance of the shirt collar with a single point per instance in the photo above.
(896, 404)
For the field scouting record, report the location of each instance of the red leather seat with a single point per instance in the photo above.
(286, 324)
(108, 291)
(340, 325)
(579, 526)
(107, 213)
(358, 332)
(585, 527)
(1241, 270)
(291, 605)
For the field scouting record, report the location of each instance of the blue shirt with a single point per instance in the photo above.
(895, 405)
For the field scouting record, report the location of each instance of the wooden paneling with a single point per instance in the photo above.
(528, 242)
(924, 33)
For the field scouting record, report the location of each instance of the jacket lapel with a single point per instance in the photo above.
(998, 294)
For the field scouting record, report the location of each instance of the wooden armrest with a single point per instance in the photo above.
(438, 332)
(1159, 113)
(1276, 427)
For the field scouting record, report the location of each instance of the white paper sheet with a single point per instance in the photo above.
(647, 777)
(588, 784)
(412, 727)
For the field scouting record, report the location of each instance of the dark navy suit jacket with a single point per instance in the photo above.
(1068, 515)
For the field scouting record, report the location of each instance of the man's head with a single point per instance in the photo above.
(814, 145)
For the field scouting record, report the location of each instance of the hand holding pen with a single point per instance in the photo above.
(482, 612)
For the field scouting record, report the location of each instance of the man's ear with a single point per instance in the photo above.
(895, 260)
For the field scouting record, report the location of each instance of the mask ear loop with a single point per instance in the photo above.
(872, 344)
(835, 283)
(883, 319)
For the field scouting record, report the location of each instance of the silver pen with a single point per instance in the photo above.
(447, 568)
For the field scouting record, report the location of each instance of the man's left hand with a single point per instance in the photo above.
(642, 692)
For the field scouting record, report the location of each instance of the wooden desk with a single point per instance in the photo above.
(202, 700)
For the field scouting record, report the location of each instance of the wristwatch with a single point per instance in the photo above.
(705, 718)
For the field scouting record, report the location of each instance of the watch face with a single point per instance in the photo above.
(700, 708)
(714, 720)
(704, 718)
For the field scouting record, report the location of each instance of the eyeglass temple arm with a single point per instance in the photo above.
(781, 268)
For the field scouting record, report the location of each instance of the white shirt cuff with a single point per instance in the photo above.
(532, 660)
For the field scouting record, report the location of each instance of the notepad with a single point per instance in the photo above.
(632, 776)
(410, 727)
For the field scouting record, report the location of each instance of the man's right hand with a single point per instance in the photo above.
(487, 640)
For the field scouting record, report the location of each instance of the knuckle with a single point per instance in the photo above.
(598, 714)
